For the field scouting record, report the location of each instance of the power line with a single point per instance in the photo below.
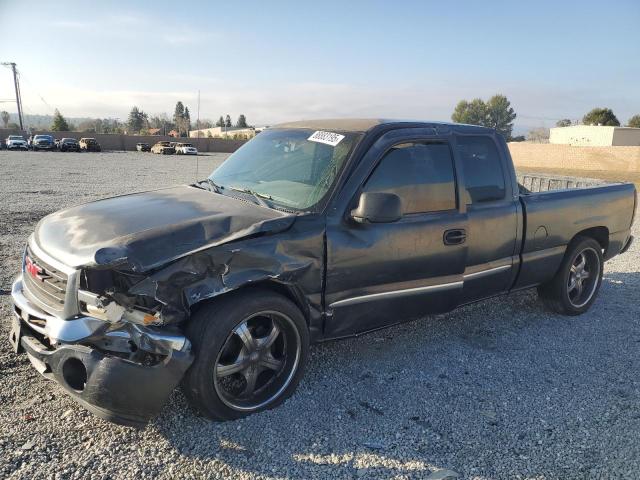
(36, 92)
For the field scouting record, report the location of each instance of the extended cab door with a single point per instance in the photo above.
(383, 273)
(493, 213)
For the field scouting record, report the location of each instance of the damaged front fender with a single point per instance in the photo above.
(293, 259)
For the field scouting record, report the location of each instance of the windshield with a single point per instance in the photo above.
(41, 137)
(294, 168)
(15, 137)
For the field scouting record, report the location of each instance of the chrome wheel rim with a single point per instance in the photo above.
(257, 361)
(583, 277)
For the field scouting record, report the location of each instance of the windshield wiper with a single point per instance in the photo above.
(256, 195)
(210, 185)
(216, 188)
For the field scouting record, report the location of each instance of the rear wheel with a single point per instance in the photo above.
(250, 351)
(574, 288)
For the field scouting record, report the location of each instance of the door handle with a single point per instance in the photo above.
(456, 236)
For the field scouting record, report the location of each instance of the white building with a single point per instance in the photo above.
(595, 136)
(223, 132)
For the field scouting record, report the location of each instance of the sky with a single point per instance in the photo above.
(287, 60)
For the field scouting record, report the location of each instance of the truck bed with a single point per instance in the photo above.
(531, 183)
(556, 209)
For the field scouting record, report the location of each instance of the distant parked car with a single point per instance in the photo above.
(16, 142)
(143, 147)
(186, 149)
(68, 144)
(43, 142)
(164, 148)
(89, 145)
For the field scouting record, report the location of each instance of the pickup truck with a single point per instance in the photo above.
(311, 231)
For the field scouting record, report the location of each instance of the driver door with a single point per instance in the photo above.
(379, 274)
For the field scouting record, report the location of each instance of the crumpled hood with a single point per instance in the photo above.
(146, 230)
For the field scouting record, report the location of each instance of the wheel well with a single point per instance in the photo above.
(276, 287)
(599, 234)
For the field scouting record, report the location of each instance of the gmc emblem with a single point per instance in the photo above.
(32, 269)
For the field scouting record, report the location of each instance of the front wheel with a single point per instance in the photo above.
(250, 352)
(575, 286)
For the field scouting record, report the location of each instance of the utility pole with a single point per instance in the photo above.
(198, 127)
(16, 84)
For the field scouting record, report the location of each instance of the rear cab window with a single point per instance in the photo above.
(482, 168)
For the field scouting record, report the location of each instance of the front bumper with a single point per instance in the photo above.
(114, 388)
(17, 147)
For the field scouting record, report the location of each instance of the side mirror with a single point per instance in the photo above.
(378, 207)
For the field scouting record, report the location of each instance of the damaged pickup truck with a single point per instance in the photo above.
(311, 231)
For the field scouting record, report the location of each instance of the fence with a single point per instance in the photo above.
(540, 155)
(128, 142)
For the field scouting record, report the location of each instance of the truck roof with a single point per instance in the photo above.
(365, 124)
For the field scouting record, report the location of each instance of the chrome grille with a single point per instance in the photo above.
(44, 282)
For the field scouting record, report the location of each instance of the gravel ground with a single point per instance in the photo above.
(500, 389)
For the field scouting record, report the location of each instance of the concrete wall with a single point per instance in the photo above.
(128, 142)
(594, 136)
(538, 155)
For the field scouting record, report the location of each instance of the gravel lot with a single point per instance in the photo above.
(501, 389)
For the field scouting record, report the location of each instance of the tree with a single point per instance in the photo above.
(472, 113)
(601, 116)
(59, 123)
(178, 117)
(220, 122)
(633, 122)
(500, 115)
(88, 126)
(538, 135)
(178, 114)
(227, 122)
(186, 121)
(565, 122)
(242, 122)
(5, 118)
(111, 125)
(137, 120)
(495, 113)
(203, 123)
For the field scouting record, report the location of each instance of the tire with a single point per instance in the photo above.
(221, 333)
(570, 292)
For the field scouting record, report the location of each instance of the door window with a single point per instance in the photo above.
(421, 174)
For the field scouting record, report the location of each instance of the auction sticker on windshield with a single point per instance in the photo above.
(328, 138)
